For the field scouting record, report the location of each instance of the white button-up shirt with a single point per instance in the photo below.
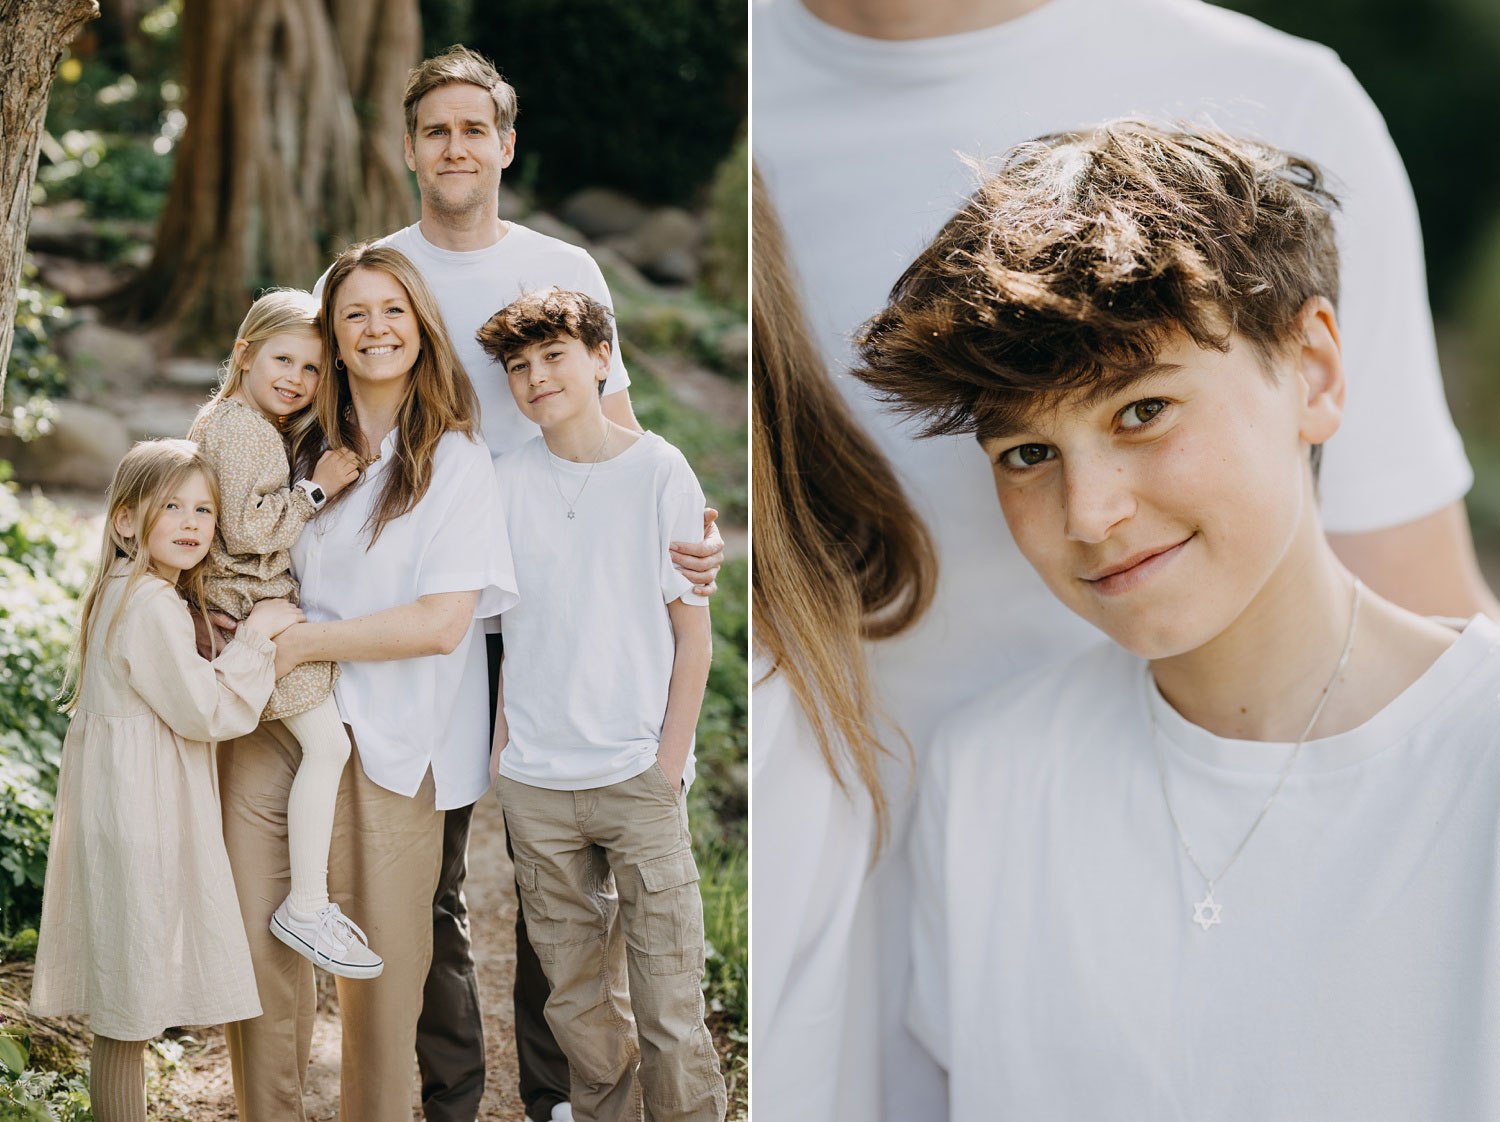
(432, 711)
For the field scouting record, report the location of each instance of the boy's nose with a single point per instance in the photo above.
(1097, 497)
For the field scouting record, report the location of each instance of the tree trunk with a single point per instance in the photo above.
(287, 152)
(36, 31)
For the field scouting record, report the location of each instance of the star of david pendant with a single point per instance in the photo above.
(1206, 911)
(570, 514)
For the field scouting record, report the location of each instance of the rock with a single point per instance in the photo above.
(544, 223)
(192, 373)
(164, 413)
(602, 211)
(665, 247)
(81, 282)
(734, 351)
(122, 361)
(81, 451)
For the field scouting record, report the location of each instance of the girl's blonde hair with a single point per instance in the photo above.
(840, 554)
(278, 311)
(146, 478)
(439, 397)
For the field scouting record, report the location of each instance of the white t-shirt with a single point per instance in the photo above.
(812, 839)
(1354, 973)
(859, 141)
(472, 285)
(432, 711)
(589, 647)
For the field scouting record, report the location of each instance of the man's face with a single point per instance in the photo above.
(1160, 514)
(458, 152)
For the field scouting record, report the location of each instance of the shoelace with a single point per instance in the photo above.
(338, 930)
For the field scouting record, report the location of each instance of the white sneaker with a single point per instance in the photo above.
(562, 1112)
(330, 939)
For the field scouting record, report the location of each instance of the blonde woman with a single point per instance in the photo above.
(840, 557)
(396, 573)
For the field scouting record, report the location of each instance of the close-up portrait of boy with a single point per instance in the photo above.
(1240, 863)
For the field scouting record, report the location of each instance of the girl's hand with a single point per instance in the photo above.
(288, 655)
(271, 617)
(337, 468)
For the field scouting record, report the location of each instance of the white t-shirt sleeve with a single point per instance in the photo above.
(1395, 392)
(469, 548)
(927, 1010)
(590, 282)
(680, 505)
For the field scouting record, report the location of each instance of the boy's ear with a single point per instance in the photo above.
(124, 524)
(1320, 366)
(601, 353)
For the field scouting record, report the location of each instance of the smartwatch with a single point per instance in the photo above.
(314, 493)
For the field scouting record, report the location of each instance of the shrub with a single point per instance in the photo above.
(642, 95)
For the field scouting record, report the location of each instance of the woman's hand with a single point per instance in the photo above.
(337, 468)
(271, 617)
(700, 561)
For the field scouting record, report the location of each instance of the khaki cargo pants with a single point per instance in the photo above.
(591, 935)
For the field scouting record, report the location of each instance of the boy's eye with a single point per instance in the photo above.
(1138, 414)
(1023, 456)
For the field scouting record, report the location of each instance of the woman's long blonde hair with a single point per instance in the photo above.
(278, 311)
(439, 397)
(146, 478)
(840, 554)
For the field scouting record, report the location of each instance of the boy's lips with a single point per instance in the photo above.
(1129, 572)
(544, 396)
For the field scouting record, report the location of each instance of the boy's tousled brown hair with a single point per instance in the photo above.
(459, 64)
(1081, 253)
(548, 313)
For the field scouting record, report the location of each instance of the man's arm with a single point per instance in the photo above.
(1427, 566)
(694, 641)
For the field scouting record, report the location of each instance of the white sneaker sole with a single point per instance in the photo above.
(332, 965)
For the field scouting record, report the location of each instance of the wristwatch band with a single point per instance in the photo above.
(314, 493)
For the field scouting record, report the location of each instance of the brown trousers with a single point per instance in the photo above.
(382, 871)
(629, 1047)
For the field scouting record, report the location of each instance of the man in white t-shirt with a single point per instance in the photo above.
(1244, 868)
(861, 113)
(460, 136)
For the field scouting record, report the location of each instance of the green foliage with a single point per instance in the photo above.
(114, 176)
(1430, 69)
(33, 373)
(642, 95)
(726, 254)
(36, 1096)
(726, 928)
(42, 570)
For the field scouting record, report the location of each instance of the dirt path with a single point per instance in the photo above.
(199, 1088)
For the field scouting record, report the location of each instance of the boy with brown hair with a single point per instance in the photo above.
(1202, 875)
(605, 662)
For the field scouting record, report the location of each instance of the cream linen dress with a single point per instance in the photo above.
(141, 927)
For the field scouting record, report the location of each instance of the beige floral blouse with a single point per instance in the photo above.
(260, 516)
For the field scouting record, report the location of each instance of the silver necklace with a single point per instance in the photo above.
(1207, 912)
(552, 468)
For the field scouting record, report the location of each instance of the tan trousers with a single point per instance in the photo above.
(382, 868)
(566, 844)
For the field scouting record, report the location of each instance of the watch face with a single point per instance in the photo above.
(317, 493)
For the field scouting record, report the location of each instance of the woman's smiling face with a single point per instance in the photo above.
(376, 329)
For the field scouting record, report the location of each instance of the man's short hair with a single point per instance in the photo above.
(459, 64)
(546, 314)
(1082, 253)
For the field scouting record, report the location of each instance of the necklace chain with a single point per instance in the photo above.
(552, 469)
(1206, 912)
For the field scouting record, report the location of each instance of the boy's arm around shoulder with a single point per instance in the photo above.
(198, 700)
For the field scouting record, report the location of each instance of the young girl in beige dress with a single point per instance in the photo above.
(141, 929)
(261, 406)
